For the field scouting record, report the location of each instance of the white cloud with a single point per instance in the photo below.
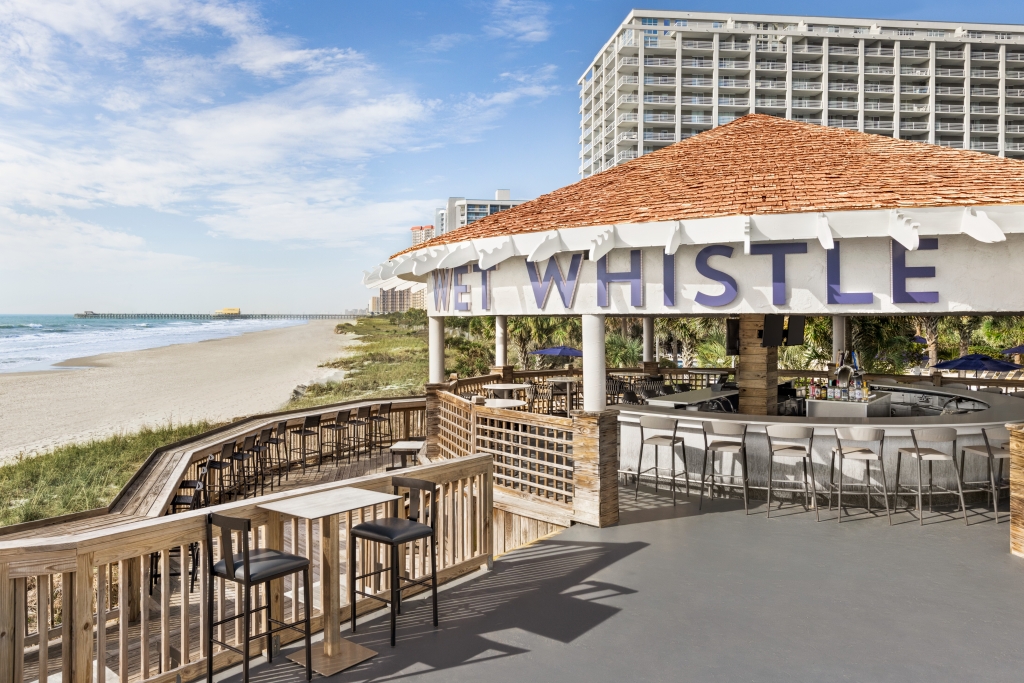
(442, 42)
(475, 113)
(522, 20)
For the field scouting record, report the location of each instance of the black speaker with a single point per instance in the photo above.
(732, 336)
(773, 328)
(795, 331)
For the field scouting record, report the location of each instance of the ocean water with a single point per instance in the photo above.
(35, 342)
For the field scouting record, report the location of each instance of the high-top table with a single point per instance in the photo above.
(504, 390)
(569, 383)
(335, 653)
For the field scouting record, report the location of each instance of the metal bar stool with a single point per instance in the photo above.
(262, 450)
(246, 466)
(280, 443)
(249, 569)
(995, 450)
(394, 532)
(338, 429)
(722, 437)
(310, 430)
(863, 454)
(665, 433)
(361, 422)
(381, 423)
(782, 446)
(219, 466)
(936, 436)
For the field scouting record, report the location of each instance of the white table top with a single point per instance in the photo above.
(505, 387)
(504, 403)
(407, 445)
(688, 398)
(562, 379)
(327, 503)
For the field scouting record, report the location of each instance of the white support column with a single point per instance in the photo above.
(593, 363)
(435, 345)
(500, 340)
(648, 339)
(838, 334)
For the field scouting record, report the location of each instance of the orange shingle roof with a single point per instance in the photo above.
(762, 164)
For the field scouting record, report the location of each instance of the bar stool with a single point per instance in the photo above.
(995, 450)
(782, 446)
(381, 423)
(866, 455)
(247, 463)
(666, 433)
(394, 532)
(361, 421)
(936, 436)
(338, 428)
(722, 437)
(310, 430)
(249, 569)
(280, 442)
(218, 466)
(261, 450)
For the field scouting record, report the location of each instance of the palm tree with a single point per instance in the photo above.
(928, 327)
(962, 327)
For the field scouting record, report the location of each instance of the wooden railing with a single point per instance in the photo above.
(546, 467)
(97, 581)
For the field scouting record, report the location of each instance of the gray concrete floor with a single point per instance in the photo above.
(673, 594)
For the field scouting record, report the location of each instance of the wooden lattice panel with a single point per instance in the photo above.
(530, 458)
(455, 432)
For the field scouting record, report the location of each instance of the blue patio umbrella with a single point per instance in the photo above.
(1014, 351)
(919, 340)
(565, 351)
(977, 362)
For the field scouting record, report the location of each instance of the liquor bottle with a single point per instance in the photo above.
(846, 394)
(831, 392)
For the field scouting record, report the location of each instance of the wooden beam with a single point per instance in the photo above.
(757, 371)
(7, 626)
(81, 621)
(1017, 489)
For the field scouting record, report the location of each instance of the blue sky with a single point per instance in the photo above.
(185, 155)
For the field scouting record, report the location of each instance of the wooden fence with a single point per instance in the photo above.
(124, 590)
(556, 470)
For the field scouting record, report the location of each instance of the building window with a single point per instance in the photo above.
(936, 33)
(905, 32)
(647, 21)
(680, 22)
(1003, 36)
(833, 29)
(651, 32)
(650, 41)
(716, 24)
(975, 34)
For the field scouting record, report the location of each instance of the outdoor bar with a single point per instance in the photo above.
(725, 224)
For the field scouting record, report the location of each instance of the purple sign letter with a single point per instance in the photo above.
(901, 272)
(460, 289)
(485, 285)
(442, 288)
(835, 292)
(670, 279)
(553, 274)
(729, 295)
(634, 276)
(778, 253)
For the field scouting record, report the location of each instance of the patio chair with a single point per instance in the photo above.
(225, 463)
(248, 569)
(923, 451)
(280, 443)
(783, 444)
(246, 466)
(394, 532)
(660, 431)
(995, 449)
(630, 398)
(720, 438)
(862, 454)
(310, 431)
(338, 429)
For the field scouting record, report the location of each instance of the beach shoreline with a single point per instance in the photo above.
(94, 397)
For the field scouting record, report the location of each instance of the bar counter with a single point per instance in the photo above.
(919, 407)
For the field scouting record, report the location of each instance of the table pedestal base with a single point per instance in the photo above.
(348, 655)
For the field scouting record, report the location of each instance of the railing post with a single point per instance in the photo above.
(7, 653)
(80, 621)
(275, 541)
(505, 371)
(1017, 489)
(130, 595)
(432, 419)
(595, 472)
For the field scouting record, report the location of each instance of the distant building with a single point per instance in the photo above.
(395, 300)
(374, 305)
(459, 211)
(421, 233)
(227, 312)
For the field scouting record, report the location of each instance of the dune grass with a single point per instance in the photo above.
(390, 360)
(80, 477)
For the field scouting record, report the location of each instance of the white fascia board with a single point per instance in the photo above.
(984, 223)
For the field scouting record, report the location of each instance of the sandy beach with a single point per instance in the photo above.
(213, 380)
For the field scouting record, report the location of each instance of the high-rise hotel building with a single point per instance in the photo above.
(664, 76)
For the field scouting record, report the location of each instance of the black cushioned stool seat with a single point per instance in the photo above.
(393, 532)
(264, 565)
